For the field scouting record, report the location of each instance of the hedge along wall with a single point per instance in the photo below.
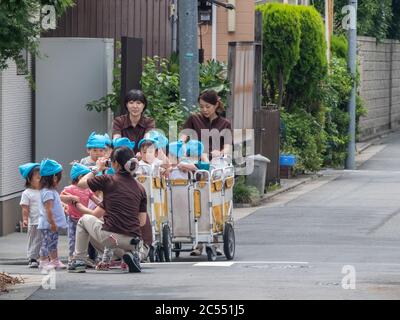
(380, 86)
(294, 53)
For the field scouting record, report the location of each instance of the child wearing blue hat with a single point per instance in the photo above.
(96, 148)
(52, 216)
(29, 203)
(151, 154)
(73, 194)
(186, 157)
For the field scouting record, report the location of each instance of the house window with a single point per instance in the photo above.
(24, 55)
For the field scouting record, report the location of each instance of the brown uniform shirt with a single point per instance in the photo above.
(123, 199)
(198, 122)
(122, 125)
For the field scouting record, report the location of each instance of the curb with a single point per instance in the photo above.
(273, 194)
(289, 188)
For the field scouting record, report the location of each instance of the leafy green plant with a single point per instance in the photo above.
(161, 88)
(281, 47)
(112, 100)
(19, 30)
(214, 75)
(304, 137)
(243, 193)
(164, 104)
(375, 18)
(312, 66)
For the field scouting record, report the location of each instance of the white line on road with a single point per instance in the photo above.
(270, 262)
(224, 263)
(213, 264)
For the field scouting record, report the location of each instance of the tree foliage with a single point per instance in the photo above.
(281, 46)
(375, 18)
(20, 30)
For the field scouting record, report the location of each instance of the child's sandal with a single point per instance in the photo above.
(103, 266)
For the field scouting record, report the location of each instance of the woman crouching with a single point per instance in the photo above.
(125, 205)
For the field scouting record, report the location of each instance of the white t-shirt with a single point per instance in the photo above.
(154, 166)
(31, 198)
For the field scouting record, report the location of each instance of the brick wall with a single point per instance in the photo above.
(380, 86)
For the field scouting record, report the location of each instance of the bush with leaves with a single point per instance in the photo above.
(164, 104)
(20, 30)
(303, 136)
(311, 68)
(281, 47)
(375, 18)
(161, 88)
(243, 193)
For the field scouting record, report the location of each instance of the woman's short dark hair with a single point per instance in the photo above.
(48, 181)
(30, 175)
(211, 96)
(122, 155)
(136, 95)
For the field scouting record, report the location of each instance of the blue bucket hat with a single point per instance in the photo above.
(96, 141)
(107, 140)
(194, 148)
(161, 140)
(147, 140)
(123, 142)
(49, 167)
(78, 170)
(176, 148)
(26, 168)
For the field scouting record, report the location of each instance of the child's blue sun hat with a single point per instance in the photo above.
(194, 148)
(161, 139)
(78, 170)
(176, 149)
(147, 140)
(26, 168)
(123, 142)
(96, 141)
(49, 167)
(107, 140)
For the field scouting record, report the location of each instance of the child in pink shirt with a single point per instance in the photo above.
(73, 194)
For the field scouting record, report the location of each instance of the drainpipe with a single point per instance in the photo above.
(214, 33)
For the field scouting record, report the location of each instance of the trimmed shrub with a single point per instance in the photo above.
(281, 46)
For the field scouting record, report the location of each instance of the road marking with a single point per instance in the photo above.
(270, 262)
(213, 264)
(222, 263)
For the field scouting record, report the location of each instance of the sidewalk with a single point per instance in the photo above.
(13, 248)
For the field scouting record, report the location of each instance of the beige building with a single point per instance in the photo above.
(231, 25)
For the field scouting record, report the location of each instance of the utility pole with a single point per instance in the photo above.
(188, 53)
(352, 64)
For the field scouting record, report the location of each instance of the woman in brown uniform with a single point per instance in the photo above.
(133, 125)
(211, 123)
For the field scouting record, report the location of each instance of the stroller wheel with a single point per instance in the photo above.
(152, 254)
(229, 241)
(167, 243)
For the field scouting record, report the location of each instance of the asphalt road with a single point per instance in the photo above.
(300, 246)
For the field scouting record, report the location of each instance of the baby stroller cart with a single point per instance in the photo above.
(213, 210)
(157, 208)
(180, 205)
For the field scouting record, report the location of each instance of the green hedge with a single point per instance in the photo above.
(281, 46)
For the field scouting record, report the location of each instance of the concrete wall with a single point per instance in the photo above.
(15, 143)
(10, 215)
(380, 86)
